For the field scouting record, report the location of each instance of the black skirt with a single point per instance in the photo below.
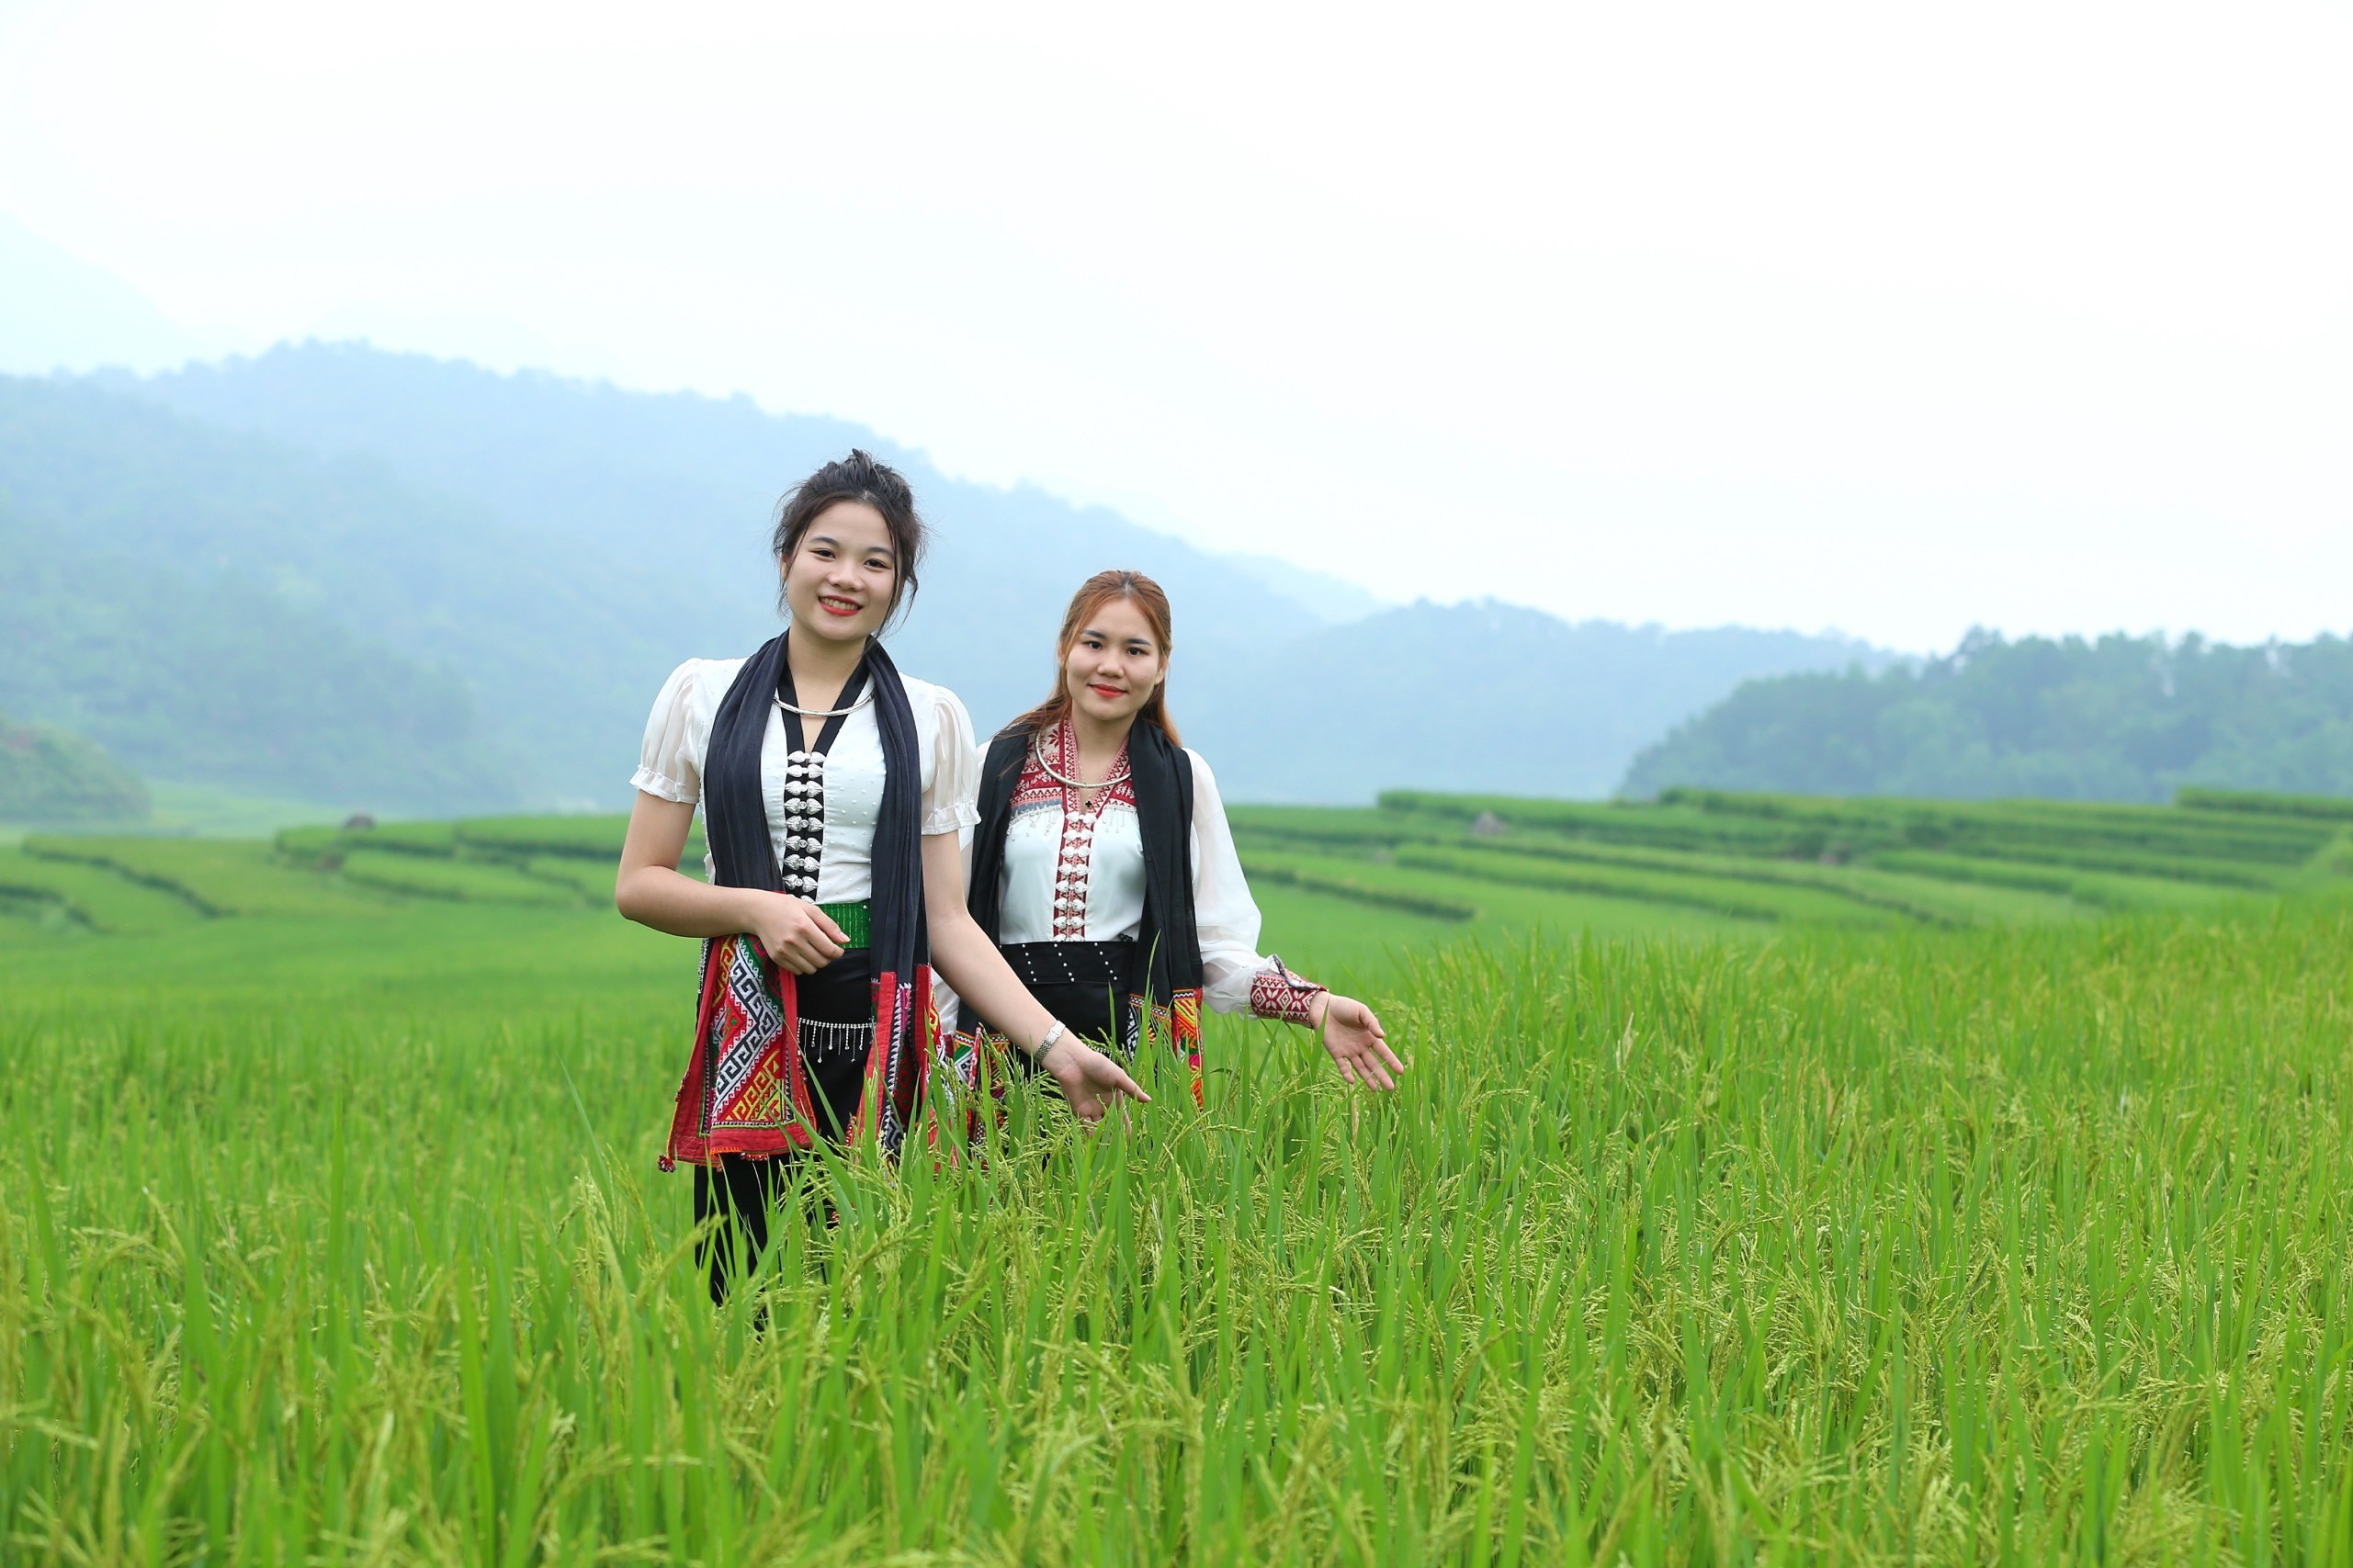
(1085, 984)
(837, 1031)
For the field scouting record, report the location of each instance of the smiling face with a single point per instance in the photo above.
(840, 578)
(1114, 664)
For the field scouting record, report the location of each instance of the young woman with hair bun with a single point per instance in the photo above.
(835, 793)
(1104, 868)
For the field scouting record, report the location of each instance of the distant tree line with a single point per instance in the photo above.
(2119, 718)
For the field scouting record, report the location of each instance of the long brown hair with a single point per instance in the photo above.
(1093, 595)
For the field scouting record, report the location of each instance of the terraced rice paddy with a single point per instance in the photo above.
(1774, 860)
(1776, 1181)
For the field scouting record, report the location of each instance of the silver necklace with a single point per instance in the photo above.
(864, 698)
(1038, 747)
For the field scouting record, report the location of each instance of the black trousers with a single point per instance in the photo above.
(744, 1193)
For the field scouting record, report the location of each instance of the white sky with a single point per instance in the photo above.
(1892, 318)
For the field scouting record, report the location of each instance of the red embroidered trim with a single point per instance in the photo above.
(1074, 860)
(1276, 993)
(1034, 789)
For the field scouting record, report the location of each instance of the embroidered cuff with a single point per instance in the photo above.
(1277, 993)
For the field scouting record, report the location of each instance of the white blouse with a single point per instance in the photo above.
(1110, 900)
(678, 735)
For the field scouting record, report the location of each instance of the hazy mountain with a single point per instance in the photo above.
(313, 600)
(2119, 718)
(58, 312)
(493, 573)
(1481, 696)
(1330, 599)
(673, 496)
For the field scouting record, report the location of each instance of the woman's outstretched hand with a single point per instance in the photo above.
(1352, 1034)
(1091, 1082)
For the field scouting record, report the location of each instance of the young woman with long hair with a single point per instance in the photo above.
(835, 792)
(1103, 868)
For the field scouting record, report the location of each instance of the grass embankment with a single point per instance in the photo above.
(1417, 864)
(1335, 927)
(1731, 859)
(1938, 1244)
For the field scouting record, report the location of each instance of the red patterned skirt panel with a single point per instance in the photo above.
(745, 1092)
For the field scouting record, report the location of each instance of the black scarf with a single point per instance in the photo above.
(1171, 937)
(736, 823)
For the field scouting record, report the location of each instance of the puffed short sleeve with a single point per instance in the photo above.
(669, 759)
(952, 797)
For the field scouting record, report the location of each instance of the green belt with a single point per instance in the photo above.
(856, 921)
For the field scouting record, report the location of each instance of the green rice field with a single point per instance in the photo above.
(1776, 1181)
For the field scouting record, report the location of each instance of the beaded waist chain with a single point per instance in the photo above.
(856, 921)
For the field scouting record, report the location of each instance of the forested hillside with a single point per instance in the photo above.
(2120, 719)
(665, 502)
(387, 581)
(217, 608)
(49, 775)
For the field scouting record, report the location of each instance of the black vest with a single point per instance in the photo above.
(1171, 937)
